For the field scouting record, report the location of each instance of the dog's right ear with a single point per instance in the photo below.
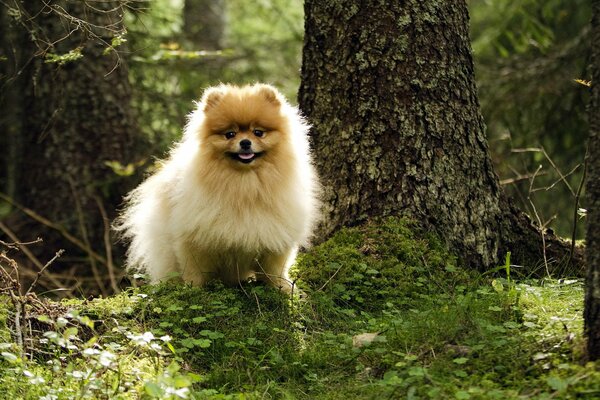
(212, 96)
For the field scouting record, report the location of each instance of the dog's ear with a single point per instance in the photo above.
(212, 96)
(269, 93)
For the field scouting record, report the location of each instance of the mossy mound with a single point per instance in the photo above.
(222, 331)
(381, 262)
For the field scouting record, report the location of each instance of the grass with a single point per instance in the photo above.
(385, 313)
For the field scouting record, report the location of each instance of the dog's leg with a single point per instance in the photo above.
(272, 269)
(195, 266)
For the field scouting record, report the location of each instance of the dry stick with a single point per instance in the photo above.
(41, 271)
(28, 253)
(562, 177)
(15, 245)
(18, 316)
(54, 226)
(18, 302)
(577, 197)
(571, 172)
(107, 245)
(518, 178)
(539, 223)
(257, 304)
(237, 267)
(86, 240)
(330, 278)
(280, 278)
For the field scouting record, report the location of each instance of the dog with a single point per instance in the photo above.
(234, 200)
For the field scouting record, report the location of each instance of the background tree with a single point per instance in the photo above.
(74, 117)
(397, 129)
(204, 23)
(592, 297)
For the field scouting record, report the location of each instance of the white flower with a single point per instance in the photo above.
(90, 352)
(155, 347)
(181, 393)
(106, 358)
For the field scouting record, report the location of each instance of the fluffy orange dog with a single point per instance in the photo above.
(236, 197)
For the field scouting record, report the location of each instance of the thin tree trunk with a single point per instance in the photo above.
(592, 297)
(12, 50)
(204, 23)
(390, 91)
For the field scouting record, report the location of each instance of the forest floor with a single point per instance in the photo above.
(384, 312)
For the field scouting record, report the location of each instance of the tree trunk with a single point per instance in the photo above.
(389, 88)
(204, 23)
(592, 297)
(77, 116)
(13, 47)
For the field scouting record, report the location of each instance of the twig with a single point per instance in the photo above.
(41, 271)
(27, 252)
(54, 226)
(84, 234)
(537, 216)
(14, 291)
(518, 178)
(237, 267)
(571, 172)
(273, 275)
(562, 177)
(263, 271)
(577, 197)
(15, 245)
(330, 278)
(257, 303)
(19, 316)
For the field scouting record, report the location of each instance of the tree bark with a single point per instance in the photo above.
(389, 88)
(204, 23)
(13, 49)
(76, 117)
(592, 296)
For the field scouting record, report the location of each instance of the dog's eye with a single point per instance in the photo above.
(258, 133)
(229, 135)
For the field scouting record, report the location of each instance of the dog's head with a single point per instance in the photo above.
(244, 125)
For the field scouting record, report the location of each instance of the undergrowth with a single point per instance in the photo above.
(385, 312)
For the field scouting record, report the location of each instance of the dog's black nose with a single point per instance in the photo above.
(245, 144)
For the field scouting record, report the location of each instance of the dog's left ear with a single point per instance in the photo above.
(270, 94)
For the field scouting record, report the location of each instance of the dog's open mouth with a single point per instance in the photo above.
(245, 157)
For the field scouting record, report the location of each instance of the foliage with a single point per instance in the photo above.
(418, 327)
(528, 54)
(262, 43)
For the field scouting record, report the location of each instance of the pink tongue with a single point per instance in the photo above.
(246, 156)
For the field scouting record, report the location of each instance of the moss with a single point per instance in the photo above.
(378, 263)
(221, 331)
(4, 309)
(435, 331)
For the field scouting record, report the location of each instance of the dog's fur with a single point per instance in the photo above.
(209, 212)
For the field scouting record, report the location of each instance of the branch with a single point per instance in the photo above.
(54, 226)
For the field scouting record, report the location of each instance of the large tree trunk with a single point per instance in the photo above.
(389, 88)
(592, 297)
(77, 116)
